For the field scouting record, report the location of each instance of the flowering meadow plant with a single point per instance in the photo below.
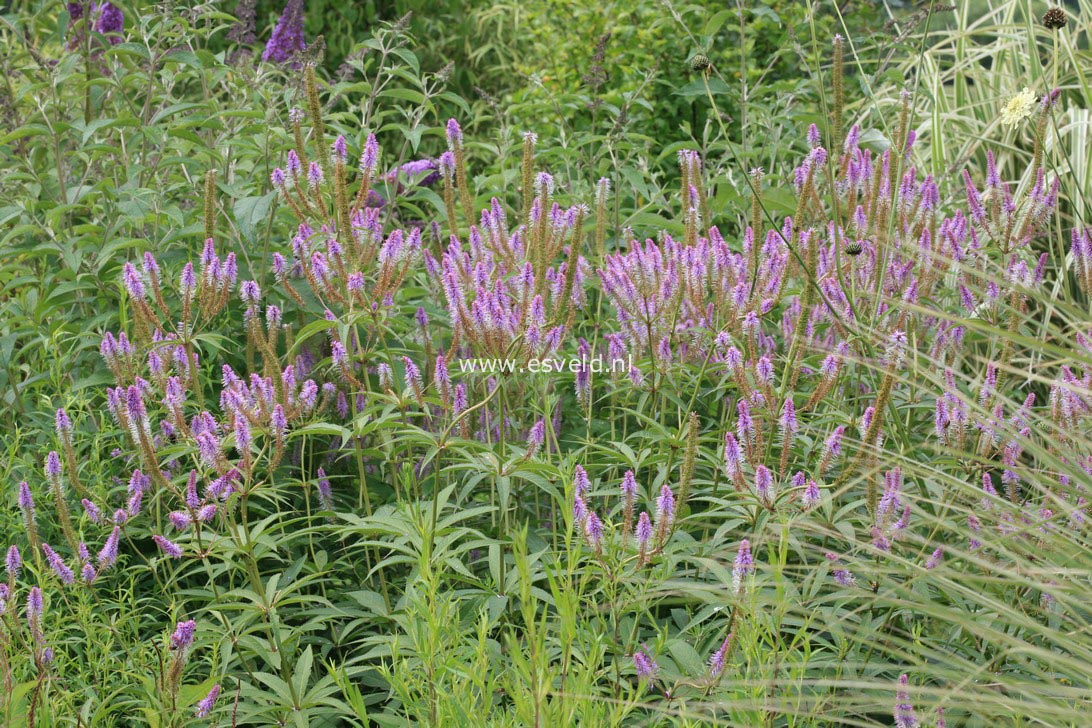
(841, 479)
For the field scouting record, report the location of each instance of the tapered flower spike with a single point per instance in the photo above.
(646, 667)
(60, 568)
(206, 704)
(325, 492)
(109, 553)
(764, 485)
(581, 483)
(580, 511)
(64, 426)
(643, 534)
(26, 501)
(904, 711)
(183, 635)
(665, 513)
(717, 659)
(733, 460)
(629, 499)
(593, 531)
(34, 606)
(535, 438)
(169, 548)
(744, 566)
(13, 564)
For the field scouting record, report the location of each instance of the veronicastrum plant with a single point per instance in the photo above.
(841, 478)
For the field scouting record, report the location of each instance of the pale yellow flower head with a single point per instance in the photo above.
(1018, 108)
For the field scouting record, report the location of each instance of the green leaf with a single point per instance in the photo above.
(251, 212)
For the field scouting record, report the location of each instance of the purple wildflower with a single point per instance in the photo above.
(109, 553)
(183, 634)
(170, 549)
(536, 437)
(593, 531)
(34, 604)
(53, 465)
(64, 425)
(645, 666)
(643, 531)
(13, 563)
(764, 484)
(812, 494)
(904, 711)
(843, 576)
(287, 39)
(580, 510)
(205, 705)
(665, 511)
(716, 660)
(454, 133)
(743, 567)
(60, 568)
(581, 484)
(110, 23)
(325, 492)
(26, 501)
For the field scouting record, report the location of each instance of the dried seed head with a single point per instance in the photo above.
(1055, 19)
(700, 62)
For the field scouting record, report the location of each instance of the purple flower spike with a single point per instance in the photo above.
(325, 492)
(369, 158)
(843, 576)
(743, 567)
(134, 286)
(454, 133)
(13, 563)
(904, 711)
(644, 664)
(53, 465)
(643, 532)
(92, 511)
(665, 512)
(172, 550)
(109, 554)
(764, 484)
(64, 425)
(716, 660)
(110, 23)
(60, 568)
(287, 39)
(593, 531)
(183, 634)
(812, 494)
(314, 174)
(581, 483)
(580, 511)
(536, 437)
(34, 604)
(26, 500)
(205, 705)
